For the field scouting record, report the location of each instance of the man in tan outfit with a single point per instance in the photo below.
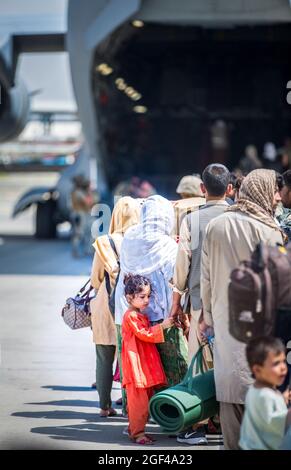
(82, 202)
(230, 239)
(189, 189)
(215, 185)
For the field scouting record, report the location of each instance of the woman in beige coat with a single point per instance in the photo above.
(230, 239)
(125, 214)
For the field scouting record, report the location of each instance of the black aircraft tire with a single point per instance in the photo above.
(45, 226)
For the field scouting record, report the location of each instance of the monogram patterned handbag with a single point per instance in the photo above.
(76, 312)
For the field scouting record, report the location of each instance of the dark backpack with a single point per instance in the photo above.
(259, 295)
(111, 291)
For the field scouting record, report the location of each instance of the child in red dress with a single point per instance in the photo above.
(141, 363)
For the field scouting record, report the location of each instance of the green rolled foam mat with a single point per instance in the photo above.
(187, 403)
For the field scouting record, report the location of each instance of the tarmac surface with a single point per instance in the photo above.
(46, 369)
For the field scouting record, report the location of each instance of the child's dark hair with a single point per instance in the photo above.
(134, 283)
(258, 349)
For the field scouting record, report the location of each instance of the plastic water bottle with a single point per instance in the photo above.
(210, 340)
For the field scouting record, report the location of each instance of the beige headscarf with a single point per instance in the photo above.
(256, 197)
(126, 213)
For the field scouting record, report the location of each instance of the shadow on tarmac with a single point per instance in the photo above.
(103, 434)
(65, 388)
(58, 414)
(99, 434)
(103, 431)
(78, 403)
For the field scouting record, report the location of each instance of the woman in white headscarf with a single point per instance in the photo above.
(147, 249)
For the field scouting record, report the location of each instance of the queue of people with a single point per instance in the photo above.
(171, 295)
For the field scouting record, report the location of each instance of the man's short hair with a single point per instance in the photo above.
(287, 178)
(216, 178)
(233, 179)
(258, 349)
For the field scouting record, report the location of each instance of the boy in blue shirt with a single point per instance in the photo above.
(266, 419)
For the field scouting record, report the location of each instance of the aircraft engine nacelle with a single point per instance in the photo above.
(14, 110)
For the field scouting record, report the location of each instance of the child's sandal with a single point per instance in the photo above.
(143, 440)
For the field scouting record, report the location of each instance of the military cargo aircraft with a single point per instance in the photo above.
(165, 87)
